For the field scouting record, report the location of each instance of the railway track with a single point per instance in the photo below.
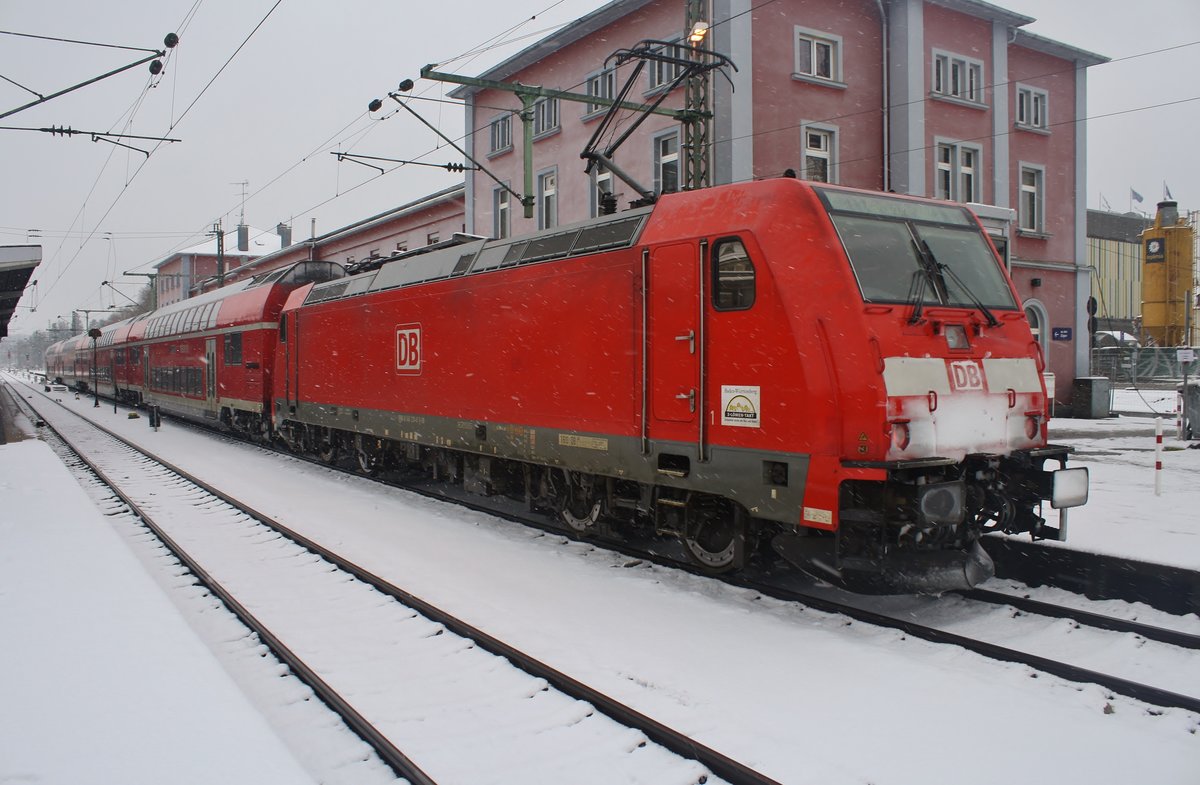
(419, 677)
(909, 619)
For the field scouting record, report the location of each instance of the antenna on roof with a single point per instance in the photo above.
(243, 184)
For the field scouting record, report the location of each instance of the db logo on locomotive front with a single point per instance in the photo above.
(408, 348)
(966, 375)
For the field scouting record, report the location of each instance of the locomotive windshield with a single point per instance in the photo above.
(912, 252)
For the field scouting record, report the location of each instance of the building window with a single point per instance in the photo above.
(602, 184)
(1035, 312)
(819, 148)
(545, 116)
(548, 200)
(501, 133)
(666, 163)
(402, 246)
(433, 238)
(500, 214)
(958, 172)
(664, 72)
(1032, 106)
(818, 55)
(958, 77)
(1033, 199)
(601, 85)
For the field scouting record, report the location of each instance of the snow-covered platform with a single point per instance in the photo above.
(103, 680)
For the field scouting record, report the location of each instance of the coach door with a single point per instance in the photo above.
(289, 335)
(210, 362)
(675, 342)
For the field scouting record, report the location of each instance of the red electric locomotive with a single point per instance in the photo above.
(843, 374)
(846, 376)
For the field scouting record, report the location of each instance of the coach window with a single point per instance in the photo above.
(733, 276)
(233, 348)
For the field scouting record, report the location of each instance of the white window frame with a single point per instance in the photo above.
(955, 172)
(807, 43)
(1041, 330)
(1033, 108)
(661, 74)
(602, 183)
(600, 84)
(500, 133)
(957, 77)
(830, 156)
(501, 213)
(545, 117)
(660, 160)
(1031, 220)
(547, 198)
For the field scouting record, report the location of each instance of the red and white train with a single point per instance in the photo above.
(844, 375)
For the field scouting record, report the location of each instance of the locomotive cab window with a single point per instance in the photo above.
(733, 276)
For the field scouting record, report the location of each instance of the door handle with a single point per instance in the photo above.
(690, 337)
(690, 397)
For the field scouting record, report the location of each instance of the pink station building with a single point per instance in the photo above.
(949, 99)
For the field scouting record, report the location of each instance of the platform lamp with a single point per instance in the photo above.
(94, 333)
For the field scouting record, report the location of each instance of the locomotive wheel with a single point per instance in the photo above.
(713, 536)
(327, 449)
(369, 454)
(579, 511)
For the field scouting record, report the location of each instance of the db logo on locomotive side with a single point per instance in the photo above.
(966, 375)
(408, 348)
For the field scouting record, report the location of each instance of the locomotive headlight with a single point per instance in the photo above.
(956, 337)
(1069, 488)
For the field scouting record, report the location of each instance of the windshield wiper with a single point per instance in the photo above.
(991, 319)
(945, 270)
(916, 294)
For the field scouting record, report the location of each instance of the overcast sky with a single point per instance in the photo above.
(300, 87)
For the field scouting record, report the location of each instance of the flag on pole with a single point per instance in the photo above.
(1104, 205)
(1167, 191)
(1135, 196)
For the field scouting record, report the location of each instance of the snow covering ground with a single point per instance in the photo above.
(102, 680)
(106, 682)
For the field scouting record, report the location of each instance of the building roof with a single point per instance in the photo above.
(1057, 49)
(986, 11)
(581, 28)
(16, 268)
(607, 14)
(1126, 227)
(438, 197)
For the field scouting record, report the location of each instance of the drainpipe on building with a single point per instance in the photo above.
(887, 139)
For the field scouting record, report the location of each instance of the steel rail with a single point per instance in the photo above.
(1118, 685)
(718, 763)
(1179, 638)
(388, 752)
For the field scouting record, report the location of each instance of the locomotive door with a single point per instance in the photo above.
(675, 338)
(210, 361)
